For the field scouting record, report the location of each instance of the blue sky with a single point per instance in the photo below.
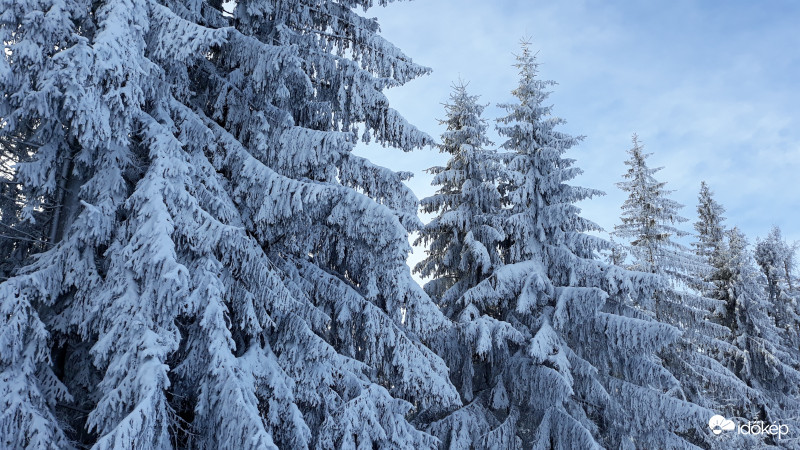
(711, 88)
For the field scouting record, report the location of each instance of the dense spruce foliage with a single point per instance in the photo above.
(649, 223)
(462, 240)
(204, 253)
(193, 256)
(551, 352)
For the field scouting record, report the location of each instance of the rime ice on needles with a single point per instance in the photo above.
(768, 359)
(462, 240)
(649, 219)
(699, 359)
(776, 258)
(710, 233)
(709, 227)
(462, 247)
(215, 251)
(552, 353)
(765, 359)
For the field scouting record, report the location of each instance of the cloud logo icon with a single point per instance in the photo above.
(718, 424)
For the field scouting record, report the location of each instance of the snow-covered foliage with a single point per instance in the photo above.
(462, 245)
(710, 234)
(776, 258)
(216, 253)
(555, 357)
(768, 361)
(23, 228)
(649, 218)
(698, 360)
(462, 239)
(191, 256)
(709, 227)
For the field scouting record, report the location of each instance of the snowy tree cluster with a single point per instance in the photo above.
(554, 348)
(192, 256)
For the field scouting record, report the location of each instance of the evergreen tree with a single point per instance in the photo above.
(217, 252)
(462, 240)
(714, 249)
(699, 360)
(22, 229)
(559, 359)
(710, 235)
(776, 258)
(462, 246)
(767, 362)
(763, 361)
(649, 219)
(709, 227)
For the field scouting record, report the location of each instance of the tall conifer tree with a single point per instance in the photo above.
(462, 243)
(709, 227)
(217, 251)
(649, 219)
(710, 235)
(462, 239)
(765, 360)
(776, 258)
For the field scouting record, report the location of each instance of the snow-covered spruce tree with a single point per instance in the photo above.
(26, 208)
(709, 227)
(218, 253)
(558, 358)
(462, 243)
(462, 240)
(710, 234)
(649, 219)
(767, 362)
(776, 258)
(715, 252)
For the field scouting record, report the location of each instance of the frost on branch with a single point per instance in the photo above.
(212, 249)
